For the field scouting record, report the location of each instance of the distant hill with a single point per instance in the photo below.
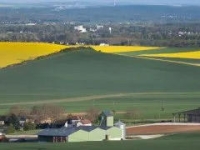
(100, 14)
(83, 72)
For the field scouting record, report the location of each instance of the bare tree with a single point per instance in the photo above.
(47, 111)
(19, 111)
(92, 114)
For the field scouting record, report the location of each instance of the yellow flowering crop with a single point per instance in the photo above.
(121, 49)
(17, 52)
(187, 55)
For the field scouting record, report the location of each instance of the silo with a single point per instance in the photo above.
(122, 126)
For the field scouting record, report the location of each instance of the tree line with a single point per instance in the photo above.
(168, 35)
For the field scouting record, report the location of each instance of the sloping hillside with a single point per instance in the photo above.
(86, 72)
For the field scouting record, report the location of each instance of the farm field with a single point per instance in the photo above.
(17, 52)
(106, 81)
(147, 106)
(184, 55)
(94, 78)
(163, 128)
(184, 141)
(121, 49)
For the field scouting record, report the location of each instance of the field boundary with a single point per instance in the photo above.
(162, 60)
(166, 124)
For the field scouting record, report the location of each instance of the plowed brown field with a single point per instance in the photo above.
(161, 129)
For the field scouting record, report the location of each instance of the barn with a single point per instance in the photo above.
(80, 134)
(106, 131)
(192, 116)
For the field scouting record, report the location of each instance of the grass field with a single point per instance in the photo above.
(186, 141)
(104, 80)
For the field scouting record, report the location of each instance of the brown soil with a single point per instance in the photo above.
(161, 129)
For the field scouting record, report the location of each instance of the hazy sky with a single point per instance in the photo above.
(172, 2)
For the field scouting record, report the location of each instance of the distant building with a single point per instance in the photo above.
(103, 44)
(188, 116)
(99, 27)
(80, 28)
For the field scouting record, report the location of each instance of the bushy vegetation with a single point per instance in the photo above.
(29, 126)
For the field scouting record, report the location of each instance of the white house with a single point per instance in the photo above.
(84, 122)
(80, 28)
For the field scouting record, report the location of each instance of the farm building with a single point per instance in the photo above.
(85, 133)
(107, 118)
(188, 116)
(80, 134)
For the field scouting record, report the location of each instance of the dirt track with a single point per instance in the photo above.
(97, 97)
(161, 129)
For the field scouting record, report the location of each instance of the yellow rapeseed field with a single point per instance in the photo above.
(17, 52)
(121, 49)
(186, 55)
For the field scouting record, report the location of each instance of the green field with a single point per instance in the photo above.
(80, 79)
(186, 141)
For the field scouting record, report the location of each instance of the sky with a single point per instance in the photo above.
(170, 2)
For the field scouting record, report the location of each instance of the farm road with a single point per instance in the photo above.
(99, 97)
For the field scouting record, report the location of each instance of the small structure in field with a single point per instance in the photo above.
(188, 116)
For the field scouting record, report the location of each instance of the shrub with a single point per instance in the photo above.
(29, 126)
(10, 129)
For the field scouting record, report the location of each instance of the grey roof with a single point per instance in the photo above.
(57, 132)
(86, 128)
(104, 127)
(119, 123)
(189, 112)
(107, 113)
(65, 131)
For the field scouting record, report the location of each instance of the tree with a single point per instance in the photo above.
(47, 111)
(29, 126)
(92, 114)
(19, 111)
(13, 120)
(10, 129)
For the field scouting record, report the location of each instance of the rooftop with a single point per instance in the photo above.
(189, 112)
(107, 113)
